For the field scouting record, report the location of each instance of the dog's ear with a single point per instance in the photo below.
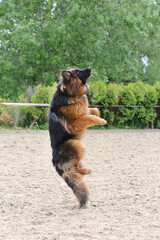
(66, 74)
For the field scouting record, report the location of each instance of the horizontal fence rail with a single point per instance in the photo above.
(26, 104)
(98, 106)
(47, 105)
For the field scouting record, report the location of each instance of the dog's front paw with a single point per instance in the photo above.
(103, 122)
(95, 112)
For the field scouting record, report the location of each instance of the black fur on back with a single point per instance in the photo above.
(59, 99)
(58, 134)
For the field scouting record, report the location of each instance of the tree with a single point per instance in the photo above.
(39, 38)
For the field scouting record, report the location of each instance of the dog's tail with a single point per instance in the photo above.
(75, 182)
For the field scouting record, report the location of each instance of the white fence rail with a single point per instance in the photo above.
(47, 105)
(26, 104)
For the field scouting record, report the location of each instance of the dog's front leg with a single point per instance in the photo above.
(85, 121)
(94, 111)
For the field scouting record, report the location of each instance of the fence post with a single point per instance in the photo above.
(152, 123)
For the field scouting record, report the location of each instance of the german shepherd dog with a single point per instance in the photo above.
(69, 116)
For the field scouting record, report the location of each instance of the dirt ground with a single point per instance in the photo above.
(36, 204)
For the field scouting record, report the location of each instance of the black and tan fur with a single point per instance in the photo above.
(69, 116)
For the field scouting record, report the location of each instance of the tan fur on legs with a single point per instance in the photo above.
(85, 121)
(74, 148)
(84, 171)
(94, 111)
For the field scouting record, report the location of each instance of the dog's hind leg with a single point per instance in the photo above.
(79, 187)
(71, 153)
(74, 150)
(84, 171)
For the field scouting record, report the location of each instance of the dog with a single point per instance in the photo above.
(68, 117)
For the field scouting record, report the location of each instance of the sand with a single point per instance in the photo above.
(36, 204)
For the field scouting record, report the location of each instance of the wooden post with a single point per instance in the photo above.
(152, 123)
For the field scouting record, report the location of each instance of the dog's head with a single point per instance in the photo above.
(73, 81)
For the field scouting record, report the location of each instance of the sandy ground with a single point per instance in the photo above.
(35, 203)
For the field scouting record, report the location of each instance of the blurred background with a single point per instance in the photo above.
(120, 40)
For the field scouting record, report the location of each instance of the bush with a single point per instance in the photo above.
(101, 93)
(111, 95)
(6, 120)
(42, 94)
(150, 97)
(138, 90)
(97, 93)
(24, 116)
(157, 88)
(129, 95)
(144, 117)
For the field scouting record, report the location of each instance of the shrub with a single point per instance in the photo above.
(24, 115)
(111, 95)
(138, 90)
(127, 96)
(150, 97)
(3, 108)
(42, 94)
(124, 116)
(97, 93)
(144, 117)
(157, 88)
(101, 93)
(132, 94)
(6, 119)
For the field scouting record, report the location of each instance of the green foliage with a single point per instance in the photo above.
(24, 116)
(6, 119)
(39, 38)
(3, 108)
(97, 93)
(157, 88)
(42, 94)
(139, 92)
(144, 117)
(111, 95)
(23, 113)
(151, 96)
(43, 126)
(109, 115)
(142, 95)
(102, 93)
(125, 117)
(129, 95)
